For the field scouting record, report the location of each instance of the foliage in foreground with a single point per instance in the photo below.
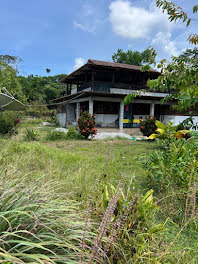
(171, 166)
(169, 132)
(38, 224)
(126, 231)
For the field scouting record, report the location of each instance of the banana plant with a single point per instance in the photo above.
(167, 131)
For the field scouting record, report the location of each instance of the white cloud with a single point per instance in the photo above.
(87, 28)
(133, 22)
(78, 62)
(163, 40)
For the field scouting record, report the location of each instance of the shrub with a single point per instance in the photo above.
(73, 134)
(30, 135)
(56, 135)
(171, 166)
(169, 132)
(86, 124)
(147, 126)
(8, 123)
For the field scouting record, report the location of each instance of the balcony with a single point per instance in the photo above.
(105, 87)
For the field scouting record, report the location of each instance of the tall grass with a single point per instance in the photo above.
(37, 223)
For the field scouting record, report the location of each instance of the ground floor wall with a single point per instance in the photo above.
(106, 120)
(111, 112)
(176, 119)
(61, 119)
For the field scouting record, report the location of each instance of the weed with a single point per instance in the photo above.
(30, 135)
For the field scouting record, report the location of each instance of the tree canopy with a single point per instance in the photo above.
(132, 57)
(30, 88)
(180, 79)
(9, 79)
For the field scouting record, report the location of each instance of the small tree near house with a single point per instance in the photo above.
(86, 124)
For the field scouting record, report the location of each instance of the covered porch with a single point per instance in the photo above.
(111, 112)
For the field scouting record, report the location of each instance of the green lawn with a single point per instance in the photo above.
(76, 163)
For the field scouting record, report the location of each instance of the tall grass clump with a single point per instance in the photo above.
(55, 135)
(30, 135)
(37, 223)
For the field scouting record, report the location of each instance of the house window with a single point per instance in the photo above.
(141, 109)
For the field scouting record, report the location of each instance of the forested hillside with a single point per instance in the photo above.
(32, 88)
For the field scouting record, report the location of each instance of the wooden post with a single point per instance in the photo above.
(70, 88)
(113, 79)
(92, 80)
(77, 84)
(67, 88)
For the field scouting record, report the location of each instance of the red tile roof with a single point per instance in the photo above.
(116, 65)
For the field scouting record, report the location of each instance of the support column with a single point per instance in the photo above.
(121, 117)
(152, 109)
(92, 80)
(91, 106)
(77, 111)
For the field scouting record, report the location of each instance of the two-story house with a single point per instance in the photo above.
(100, 88)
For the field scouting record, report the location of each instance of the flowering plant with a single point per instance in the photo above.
(86, 124)
(17, 121)
(148, 126)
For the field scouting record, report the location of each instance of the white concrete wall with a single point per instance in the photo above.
(107, 120)
(62, 118)
(176, 120)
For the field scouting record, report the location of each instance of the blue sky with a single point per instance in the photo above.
(63, 34)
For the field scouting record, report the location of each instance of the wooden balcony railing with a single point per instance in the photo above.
(106, 86)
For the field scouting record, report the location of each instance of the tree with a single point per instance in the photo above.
(132, 57)
(42, 89)
(9, 78)
(180, 77)
(177, 13)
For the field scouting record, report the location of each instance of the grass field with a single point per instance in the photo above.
(76, 164)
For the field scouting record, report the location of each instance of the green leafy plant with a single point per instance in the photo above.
(148, 126)
(187, 124)
(86, 124)
(30, 135)
(73, 134)
(126, 224)
(168, 131)
(171, 166)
